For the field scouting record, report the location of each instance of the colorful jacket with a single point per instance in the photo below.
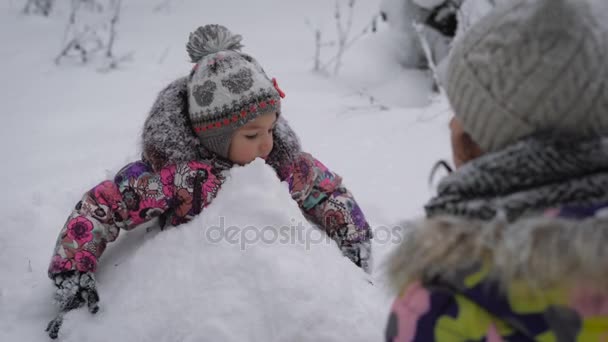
(492, 263)
(478, 300)
(176, 179)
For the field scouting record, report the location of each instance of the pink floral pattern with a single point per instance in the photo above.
(148, 209)
(333, 220)
(85, 261)
(137, 195)
(167, 177)
(79, 230)
(59, 264)
(148, 186)
(107, 193)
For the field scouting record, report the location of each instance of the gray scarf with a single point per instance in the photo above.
(526, 178)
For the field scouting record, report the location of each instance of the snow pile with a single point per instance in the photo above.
(258, 273)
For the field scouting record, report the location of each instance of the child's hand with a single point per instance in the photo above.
(74, 289)
(359, 253)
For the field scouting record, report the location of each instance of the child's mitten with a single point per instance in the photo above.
(74, 289)
(359, 253)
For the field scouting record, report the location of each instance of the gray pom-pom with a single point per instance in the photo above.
(210, 39)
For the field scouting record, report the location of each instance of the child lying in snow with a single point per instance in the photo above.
(226, 112)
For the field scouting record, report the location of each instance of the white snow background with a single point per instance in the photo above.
(66, 128)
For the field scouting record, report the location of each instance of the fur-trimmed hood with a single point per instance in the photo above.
(168, 137)
(542, 251)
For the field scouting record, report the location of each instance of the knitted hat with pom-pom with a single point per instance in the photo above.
(532, 67)
(226, 88)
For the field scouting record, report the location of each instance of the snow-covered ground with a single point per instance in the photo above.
(66, 128)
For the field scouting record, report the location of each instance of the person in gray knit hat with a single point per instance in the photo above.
(513, 245)
(531, 66)
(226, 112)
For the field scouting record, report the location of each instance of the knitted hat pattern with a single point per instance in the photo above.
(226, 88)
(531, 67)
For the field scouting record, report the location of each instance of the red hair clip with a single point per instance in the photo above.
(276, 86)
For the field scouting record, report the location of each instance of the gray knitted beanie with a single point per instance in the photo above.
(226, 88)
(531, 67)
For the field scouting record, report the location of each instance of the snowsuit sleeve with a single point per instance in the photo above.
(136, 195)
(322, 197)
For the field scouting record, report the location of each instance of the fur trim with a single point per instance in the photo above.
(542, 251)
(168, 136)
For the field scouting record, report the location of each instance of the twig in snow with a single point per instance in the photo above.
(42, 7)
(345, 40)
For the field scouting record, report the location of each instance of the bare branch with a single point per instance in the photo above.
(353, 40)
(92, 36)
(342, 32)
(165, 5)
(318, 44)
(42, 7)
(419, 28)
(344, 27)
(117, 6)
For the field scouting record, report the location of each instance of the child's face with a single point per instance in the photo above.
(253, 140)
